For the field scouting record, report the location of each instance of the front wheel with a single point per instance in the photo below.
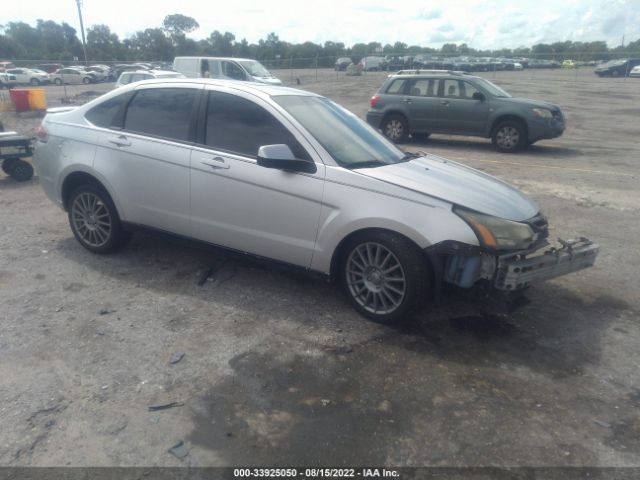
(395, 128)
(58, 81)
(35, 82)
(86, 80)
(509, 136)
(94, 219)
(384, 276)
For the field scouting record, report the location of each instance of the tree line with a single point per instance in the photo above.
(48, 40)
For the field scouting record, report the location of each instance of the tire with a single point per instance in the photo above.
(395, 128)
(86, 80)
(58, 81)
(385, 276)
(34, 82)
(20, 170)
(420, 135)
(6, 164)
(94, 219)
(509, 136)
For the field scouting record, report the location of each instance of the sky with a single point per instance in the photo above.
(482, 24)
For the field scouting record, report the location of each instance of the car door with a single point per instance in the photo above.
(145, 156)
(421, 98)
(239, 204)
(458, 112)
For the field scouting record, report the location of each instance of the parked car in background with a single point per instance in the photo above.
(100, 73)
(138, 75)
(7, 81)
(291, 176)
(422, 103)
(27, 76)
(394, 63)
(244, 69)
(341, 64)
(617, 68)
(373, 64)
(50, 67)
(635, 72)
(72, 75)
(569, 64)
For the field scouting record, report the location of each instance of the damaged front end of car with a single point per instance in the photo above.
(511, 256)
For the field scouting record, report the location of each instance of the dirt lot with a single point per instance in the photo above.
(278, 369)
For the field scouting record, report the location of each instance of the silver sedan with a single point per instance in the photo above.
(292, 176)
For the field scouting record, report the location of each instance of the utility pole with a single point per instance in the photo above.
(84, 43)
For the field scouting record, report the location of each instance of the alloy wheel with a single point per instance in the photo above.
(508, 137)
(91, 219)
(375, 278)
(394, 129)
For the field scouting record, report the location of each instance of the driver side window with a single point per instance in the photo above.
(231, 70)
(240, 126)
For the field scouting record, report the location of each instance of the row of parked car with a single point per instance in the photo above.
(11, 76)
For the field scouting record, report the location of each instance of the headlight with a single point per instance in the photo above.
(496, 233)
(541, 113)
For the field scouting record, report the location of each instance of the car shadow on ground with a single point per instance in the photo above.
(541, 334)
(366, 387)
(456, 144)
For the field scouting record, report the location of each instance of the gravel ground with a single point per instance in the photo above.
(278, 369)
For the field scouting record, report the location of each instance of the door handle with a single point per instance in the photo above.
(445, 103)
(407, 100)
(216, 162)
(120, 141)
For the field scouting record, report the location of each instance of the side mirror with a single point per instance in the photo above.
(281, 157)
(478, 96)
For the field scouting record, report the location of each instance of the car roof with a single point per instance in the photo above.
(249, 87)
(431, 73)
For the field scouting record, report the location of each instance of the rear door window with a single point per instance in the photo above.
(104, 114)
(397, 87)
(424, 87)
(237, 125)
(162, 112)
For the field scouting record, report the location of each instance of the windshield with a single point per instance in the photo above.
(493, 89)
(349, 140)
(254, 68)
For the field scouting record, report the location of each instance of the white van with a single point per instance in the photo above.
(227, 68)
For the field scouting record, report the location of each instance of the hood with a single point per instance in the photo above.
(531, 103)
(457, 184)
(268, 80)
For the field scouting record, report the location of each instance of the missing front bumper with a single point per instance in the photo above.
(517, 272)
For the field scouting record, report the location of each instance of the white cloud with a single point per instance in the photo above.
(503, 24)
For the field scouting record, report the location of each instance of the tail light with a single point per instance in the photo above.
(42, 134)
(374, 100)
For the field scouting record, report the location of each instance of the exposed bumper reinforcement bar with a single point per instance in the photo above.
(516, 272)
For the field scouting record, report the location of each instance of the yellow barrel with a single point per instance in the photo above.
(37, 99)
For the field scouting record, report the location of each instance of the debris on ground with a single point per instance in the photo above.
(164, 406)
(105, 311)
(176, 357)
(179, 450)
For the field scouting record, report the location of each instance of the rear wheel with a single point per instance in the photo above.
(35, 81)
(86, 80)
(20, 170)
(384, 276)
(395, 128)
(509, 136)
(94, 219)
(58, 81)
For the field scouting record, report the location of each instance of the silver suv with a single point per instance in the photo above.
(291, 176)
(422, 102)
